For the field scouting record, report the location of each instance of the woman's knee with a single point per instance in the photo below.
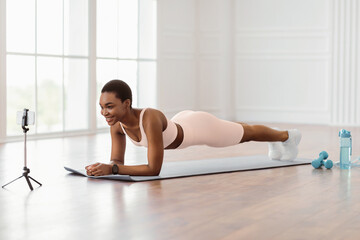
(248, 133)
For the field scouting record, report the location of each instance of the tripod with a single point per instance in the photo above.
(26, 169)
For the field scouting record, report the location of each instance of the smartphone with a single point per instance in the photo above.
(30, 117)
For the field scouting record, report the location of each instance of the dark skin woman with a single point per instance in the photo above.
(116, 107)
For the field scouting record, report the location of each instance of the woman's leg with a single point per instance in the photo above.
(203, 128)
(262, 133)
(282, 144)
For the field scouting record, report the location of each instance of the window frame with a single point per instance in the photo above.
(2, 70)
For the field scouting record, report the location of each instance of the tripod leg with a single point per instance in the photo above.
(29, 183)
(12, 181)
(35, 181)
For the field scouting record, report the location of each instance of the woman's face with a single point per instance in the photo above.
(112, 108)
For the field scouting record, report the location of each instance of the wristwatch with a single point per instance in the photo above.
(115, 169)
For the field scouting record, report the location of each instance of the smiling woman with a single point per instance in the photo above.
(150, 128)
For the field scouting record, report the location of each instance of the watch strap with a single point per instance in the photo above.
(115, 169)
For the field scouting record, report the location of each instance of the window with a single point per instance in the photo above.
(48, 57)
(47, 63)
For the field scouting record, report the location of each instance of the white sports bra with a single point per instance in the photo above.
(169, 134)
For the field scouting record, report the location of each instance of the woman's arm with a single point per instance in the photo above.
(153, 122)
(153, 127)
(118, 146)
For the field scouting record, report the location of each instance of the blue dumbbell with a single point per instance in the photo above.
(320, 161)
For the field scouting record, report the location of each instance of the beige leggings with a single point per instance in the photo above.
(202, 128)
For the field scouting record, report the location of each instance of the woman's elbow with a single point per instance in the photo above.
(154, 171)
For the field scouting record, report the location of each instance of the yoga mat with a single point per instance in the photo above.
(203, 167)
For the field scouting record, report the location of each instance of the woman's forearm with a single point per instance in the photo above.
(138, 170)
(115, 161)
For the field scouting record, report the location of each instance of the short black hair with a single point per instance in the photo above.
(120, 88)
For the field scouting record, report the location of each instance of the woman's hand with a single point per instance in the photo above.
(99, 169)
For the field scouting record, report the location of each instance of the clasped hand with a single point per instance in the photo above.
(98, 169)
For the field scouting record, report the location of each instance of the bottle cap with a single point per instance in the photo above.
(344, 133)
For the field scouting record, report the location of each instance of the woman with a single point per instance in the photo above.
(150, 128)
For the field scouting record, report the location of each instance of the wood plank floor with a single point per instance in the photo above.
(284, 203)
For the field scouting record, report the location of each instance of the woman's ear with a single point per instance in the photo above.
(127, 102)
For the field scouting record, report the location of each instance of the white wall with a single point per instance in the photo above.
(176, 52)
(260, 60)
(195, 56)
(282, 60)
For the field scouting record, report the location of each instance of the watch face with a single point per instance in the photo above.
(115, 169)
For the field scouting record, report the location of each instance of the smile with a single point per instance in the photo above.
(108, 119)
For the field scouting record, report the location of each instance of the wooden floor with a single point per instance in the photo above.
(284, 203)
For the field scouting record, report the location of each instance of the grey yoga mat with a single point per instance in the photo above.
(203, 167)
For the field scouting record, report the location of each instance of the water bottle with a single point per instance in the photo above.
(345, 149)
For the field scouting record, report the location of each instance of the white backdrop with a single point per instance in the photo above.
(260, 60)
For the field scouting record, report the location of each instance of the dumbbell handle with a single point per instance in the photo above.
(317, 163)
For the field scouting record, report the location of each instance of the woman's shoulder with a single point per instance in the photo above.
(152, 111)
(116, 128)
(152, 115)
